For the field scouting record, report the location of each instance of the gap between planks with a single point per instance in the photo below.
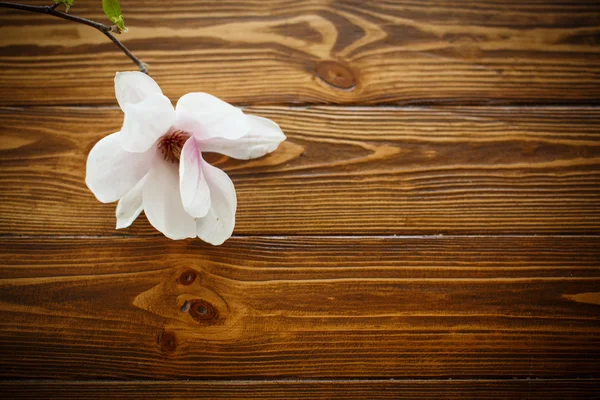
(304, 106)
(233, 381)
(592, 235)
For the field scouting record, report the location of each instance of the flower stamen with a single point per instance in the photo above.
(172, 144)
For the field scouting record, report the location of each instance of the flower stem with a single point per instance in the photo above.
(107, 30)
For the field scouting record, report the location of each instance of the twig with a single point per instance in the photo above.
(51, 10)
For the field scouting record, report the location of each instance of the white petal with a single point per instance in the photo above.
(218, 224)
(111, 171)
(263, 138)
(130, 206)
(207, 116)
(134, 87)
(195, 194)
(162, 202)
(145, 122)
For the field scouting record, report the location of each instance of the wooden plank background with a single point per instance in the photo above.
(430, 227)
(342, 171)
(308, 389)
(286, 52)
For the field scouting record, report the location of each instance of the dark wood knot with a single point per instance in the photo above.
(188, 277)
(336, 75)
(168, 342)
(200, 310)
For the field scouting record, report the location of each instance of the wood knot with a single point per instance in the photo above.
(187, 277)
(200, 310)
(336, 75)
(168, 342)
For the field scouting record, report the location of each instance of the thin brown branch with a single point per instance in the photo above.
(107, 30)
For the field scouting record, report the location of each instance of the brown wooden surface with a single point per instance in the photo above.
(561, 389)
(301, 307)
(383, 251)
(341, 171)
(291, 51)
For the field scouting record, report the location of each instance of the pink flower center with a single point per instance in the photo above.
(171, 145)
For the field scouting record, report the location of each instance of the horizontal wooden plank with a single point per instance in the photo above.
(318, 307)
(341, 171)
(291, 51)
(562, 389)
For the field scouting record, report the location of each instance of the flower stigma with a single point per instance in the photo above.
(171, 145)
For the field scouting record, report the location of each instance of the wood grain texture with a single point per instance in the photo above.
(291, 52)
(341, 171)
(562, 389)
(320, 307)
(384, 251)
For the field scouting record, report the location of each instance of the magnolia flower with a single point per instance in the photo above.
(154, 163)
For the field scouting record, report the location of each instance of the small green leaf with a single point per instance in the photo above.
(112, 9)
(67, 3)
